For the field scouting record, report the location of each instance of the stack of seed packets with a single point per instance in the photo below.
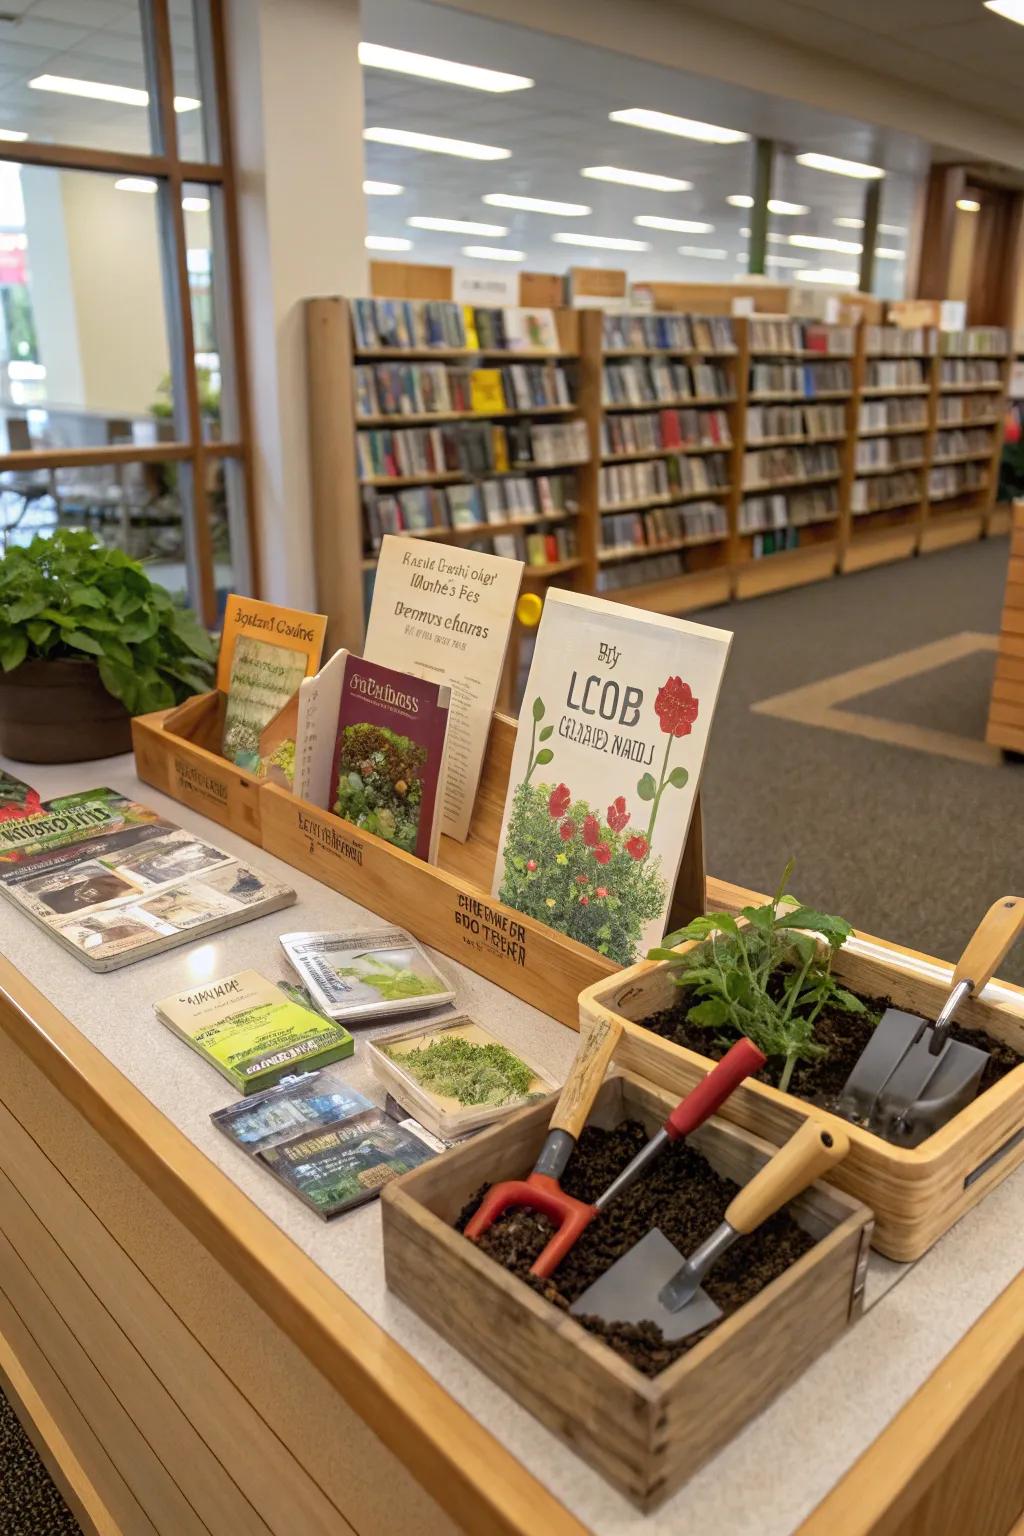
(366, 977)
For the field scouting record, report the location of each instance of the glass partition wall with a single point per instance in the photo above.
(122, 403)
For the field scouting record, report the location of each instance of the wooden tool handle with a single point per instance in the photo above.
(805, 1156)
(988, 945)
(586, 1076)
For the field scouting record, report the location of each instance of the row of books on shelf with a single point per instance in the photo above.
(420, 324)
(962, 410)
(880, 491)
(794, 510)
(971, 370)
(767, 421)
(951, 444)
(895, 373)
(424, 389)
(895, 341)
(660, 479)
(778, 333)
(876, 453)
(774, 542)
(546, 547)
(884, 415)
(768, 465)
(975, 341)
(805, 379)
(508, 500)
(468, 448)
(613, 577)
(643, 381)
(698, 520)
(668, 333)
(667, 429)
(948, 480)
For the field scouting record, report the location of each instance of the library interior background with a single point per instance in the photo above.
(626, 312)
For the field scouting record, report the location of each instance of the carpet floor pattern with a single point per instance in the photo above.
(29, 1503)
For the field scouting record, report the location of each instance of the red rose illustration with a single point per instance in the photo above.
(582, 880)
(531, 865)
(584, 901)
(591, 831)
(558, 801)
(637, 848)
(601, 891)
(618, 816)
(602, 853)
(676, 707)
(567, 831)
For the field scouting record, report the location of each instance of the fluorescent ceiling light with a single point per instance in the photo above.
(849, 223)
(400, 62)
(745, 232)
(682, 127)
(783, 261)
(684, 226)
(536, 204)
(775, 204)
(771, 235)
(709, 252)
(492, 253)
(890, 255)
(387, 243)
(432, 141)
(98, 90)
(968, 205)
(636, 178)
(134, 184)
(12, 136)
(741, 200)
(1011, 10)
(456, 226)
(382, 188)
(836, 276)
(196, 204)
(816, 162)
(603, 242)
(891, 229)
(826, 243)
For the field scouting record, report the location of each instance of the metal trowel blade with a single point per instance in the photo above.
(903, 1092)
(628, 1291)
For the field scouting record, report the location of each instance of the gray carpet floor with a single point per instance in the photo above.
(29, 1503)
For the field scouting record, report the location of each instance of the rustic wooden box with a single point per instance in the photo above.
(916, 1193)
(178, 751)
(645, 1436)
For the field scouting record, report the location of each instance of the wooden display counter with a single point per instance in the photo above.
(1006, 708)
(194, 1351)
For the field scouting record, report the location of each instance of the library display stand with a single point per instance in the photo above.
(1006, 708)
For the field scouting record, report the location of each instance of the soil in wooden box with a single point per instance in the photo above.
(684, 1196)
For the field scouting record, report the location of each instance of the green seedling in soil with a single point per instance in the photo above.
(768, 979)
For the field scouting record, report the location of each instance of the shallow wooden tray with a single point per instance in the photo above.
(178, 751)
(916, 1193)
(645, 1436)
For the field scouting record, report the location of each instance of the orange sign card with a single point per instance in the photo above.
(265, 652)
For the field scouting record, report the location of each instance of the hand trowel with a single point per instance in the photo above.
(655, 1283)
(911, 1078)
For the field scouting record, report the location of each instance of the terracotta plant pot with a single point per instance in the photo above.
(60, 712)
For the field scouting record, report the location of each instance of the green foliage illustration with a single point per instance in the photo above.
(380, 785)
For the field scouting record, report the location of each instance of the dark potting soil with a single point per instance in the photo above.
(843, 1034)
(684, 1196)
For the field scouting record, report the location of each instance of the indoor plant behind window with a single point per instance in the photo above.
(87, 641)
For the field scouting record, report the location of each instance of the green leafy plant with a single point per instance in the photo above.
(380, 786)
(768, 978)
(67, 596)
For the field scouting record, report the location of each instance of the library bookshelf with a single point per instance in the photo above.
(707, 457)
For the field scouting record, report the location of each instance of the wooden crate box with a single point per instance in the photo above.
(916, 1193)
(178, 752)
(645, 1436)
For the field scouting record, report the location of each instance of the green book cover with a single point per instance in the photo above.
(251, 1032)
(342, 1165)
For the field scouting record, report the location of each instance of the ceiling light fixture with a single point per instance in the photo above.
(98, 90)
(890, 255)
(387, 243)
(536, 205)
(745, 232)
(741, 200)
(406, 139)
(12, 136)
(816, 162)
(968, 205)
(636, 178)
(1010, 10)
(492, 253)
(602, 242)
(783, 261)
(135, 184)
(456, 226)
(684, 226)
(196, 204)
(708, 252)
(850, 223)
(382, 188)
(837, 277)
(775, 204)
(682, 127)
(891, 229)
(826, 243)
(400, 62)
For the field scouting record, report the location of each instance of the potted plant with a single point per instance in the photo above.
(87, 641)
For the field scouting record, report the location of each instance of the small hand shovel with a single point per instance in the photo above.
(654, 1283)
(910, 1078)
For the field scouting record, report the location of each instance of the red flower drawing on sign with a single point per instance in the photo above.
(591, 831)
(637, 847)
(618, 816)
(567, 830)
(602, 853)
(676, 707)
(558, 801)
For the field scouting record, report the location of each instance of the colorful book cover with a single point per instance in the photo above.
(346, 1164)
(251, 1032)
(18, 800)
(607, 763)
(387, 773)
(296, 1105)
(265, 652)
(356, 976)
(487, 390)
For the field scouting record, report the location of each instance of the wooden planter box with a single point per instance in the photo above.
(645, 1436)
(178, 751)
(916, 1193)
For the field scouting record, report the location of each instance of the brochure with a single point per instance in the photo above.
(298, 1104)
(343, 1165)
(17, 799)
(366, 975)
(265, 652)
(606, 766)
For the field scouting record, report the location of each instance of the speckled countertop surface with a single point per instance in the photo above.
(774, 1473)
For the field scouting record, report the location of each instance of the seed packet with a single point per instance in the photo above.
(455, 1076)
(299, 1104)
(354, 976)
(345, 1164)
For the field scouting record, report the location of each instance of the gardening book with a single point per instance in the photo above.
(114, 882)
(606, 768)
(343, 1165)
(254, 1035)
(372, 976)
(445, 614)
(265, 652)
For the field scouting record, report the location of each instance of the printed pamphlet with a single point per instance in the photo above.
(265, 652)
(343, 1165)
(297, 1104)
(366, 975)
